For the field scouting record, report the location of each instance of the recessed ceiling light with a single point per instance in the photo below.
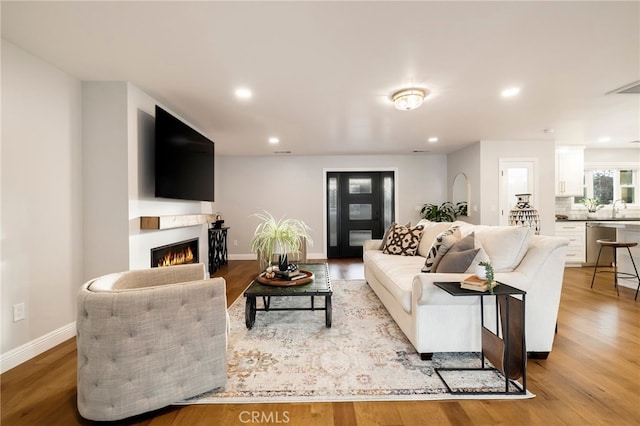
(243, 93)
(433, 139)
(274, 140)
(604, 139)
(510, 92)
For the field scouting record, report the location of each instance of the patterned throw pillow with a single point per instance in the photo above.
(387, 232)
(440, 246)
(403, 240)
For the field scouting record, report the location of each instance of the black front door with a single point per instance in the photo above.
(360, 205)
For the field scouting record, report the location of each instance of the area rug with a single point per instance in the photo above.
(290, 356)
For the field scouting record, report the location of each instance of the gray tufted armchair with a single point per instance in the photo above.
(148, 338)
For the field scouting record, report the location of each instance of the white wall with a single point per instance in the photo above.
(119, 145)
(292, 186)
(599, 156)
(467, 161)
(490, 154)
(76, 175)
(41, 231)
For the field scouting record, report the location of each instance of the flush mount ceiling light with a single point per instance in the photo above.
(408, 99)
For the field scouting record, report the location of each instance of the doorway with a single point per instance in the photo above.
(360, 205)
(517, 176)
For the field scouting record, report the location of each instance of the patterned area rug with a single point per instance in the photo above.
(292, 357)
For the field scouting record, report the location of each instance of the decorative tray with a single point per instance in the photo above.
(279, 282)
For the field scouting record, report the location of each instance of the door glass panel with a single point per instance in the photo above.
(359, 185)
(333, 211)
(359, 211)
(357, 238)
(387, 201)
(517, 183)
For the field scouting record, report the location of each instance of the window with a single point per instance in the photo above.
(610, 184)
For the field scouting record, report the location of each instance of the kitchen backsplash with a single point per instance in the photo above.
(564, 207)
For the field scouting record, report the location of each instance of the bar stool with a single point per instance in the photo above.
(615, 245)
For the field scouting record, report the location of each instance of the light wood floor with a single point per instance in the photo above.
(591, 377)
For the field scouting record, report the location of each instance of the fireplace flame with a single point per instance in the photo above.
(180, 258)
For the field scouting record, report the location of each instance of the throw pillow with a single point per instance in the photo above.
(505, 245)
(386, 233)
(440, 246)
(457, 261)
(403, 240)
(431, 231)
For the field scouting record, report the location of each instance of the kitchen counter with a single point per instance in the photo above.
(619, 219)
(620, 224)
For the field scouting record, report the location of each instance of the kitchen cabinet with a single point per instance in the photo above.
(569, 171)
(574, 231)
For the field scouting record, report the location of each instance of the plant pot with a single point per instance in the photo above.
(481, 272)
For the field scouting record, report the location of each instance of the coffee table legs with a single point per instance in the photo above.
(250, 312)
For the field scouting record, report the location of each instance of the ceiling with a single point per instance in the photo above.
(322, 73)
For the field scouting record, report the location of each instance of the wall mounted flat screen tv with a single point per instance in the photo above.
(183, 160)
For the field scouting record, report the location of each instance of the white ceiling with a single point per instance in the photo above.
(322, 72)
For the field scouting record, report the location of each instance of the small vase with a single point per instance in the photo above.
(523, 214)
(283, 262)
(481, 272)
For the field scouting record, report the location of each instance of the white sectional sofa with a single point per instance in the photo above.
(435, 321)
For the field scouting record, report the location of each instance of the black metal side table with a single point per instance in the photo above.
(217, 248)
(507, 350)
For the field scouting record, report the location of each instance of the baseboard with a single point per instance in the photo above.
(314, 256)
(29, 350)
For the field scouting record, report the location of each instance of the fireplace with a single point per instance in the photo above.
(180, 253)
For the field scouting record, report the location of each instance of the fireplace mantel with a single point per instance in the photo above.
(175, 221)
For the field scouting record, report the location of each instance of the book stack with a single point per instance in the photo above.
(476, 284)
(292, 273)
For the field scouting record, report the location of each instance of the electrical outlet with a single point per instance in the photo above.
(18, 312)
(235, 242)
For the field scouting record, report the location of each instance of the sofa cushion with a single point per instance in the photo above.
(431, 231)
(394, 273)
(443, 242)
(452, 258)
(403, 240)
(458, 261)
(505, 245)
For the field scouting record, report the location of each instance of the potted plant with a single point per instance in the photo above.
(280, 236)
(445, 212)
(592, 204)
(484, 271)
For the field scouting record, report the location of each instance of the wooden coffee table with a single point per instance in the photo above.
(320, 285)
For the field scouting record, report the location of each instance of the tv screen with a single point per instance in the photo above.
(184, 160)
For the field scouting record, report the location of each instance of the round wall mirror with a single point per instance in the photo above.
(460, 194)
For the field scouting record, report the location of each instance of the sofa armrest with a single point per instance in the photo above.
(371, 245)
